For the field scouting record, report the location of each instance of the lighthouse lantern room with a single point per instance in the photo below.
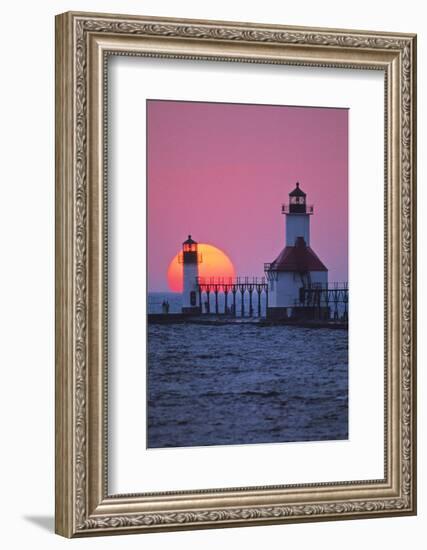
(190, 259)
(297, 266)
(297, 216)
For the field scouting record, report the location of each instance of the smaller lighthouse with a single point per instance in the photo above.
(190, 259)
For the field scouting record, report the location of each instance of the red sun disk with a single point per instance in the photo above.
(215, 263)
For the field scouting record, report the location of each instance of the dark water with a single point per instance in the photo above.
(240, 384)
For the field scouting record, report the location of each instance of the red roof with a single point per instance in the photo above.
(300, 258)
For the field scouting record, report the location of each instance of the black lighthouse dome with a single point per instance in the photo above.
(297, 201)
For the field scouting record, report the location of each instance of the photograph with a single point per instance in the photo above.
(235, 272)
(247, 264)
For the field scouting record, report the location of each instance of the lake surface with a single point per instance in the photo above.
(241, 384)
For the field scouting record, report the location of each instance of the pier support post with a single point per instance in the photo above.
(216, 301)
(226, 301)
(251, 311)
(336, 314)
(327, 304)
(345, 315)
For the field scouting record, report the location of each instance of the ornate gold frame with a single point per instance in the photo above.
(83, 506)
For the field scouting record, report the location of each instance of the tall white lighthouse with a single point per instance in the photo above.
(297, 266)
(190, 259)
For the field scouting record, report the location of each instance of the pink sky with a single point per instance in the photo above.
(221, 172)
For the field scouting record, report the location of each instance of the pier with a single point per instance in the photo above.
(244, 300)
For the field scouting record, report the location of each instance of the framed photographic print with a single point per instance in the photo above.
(235, 274)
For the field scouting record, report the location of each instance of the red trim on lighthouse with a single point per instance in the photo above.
(300, 258)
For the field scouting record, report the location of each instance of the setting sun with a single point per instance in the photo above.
(214, 263)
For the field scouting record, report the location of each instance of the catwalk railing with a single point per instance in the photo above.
(248, 297)
(333, 296)
(241, 296)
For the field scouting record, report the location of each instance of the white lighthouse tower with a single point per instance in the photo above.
(297, 266)
(190, 260)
